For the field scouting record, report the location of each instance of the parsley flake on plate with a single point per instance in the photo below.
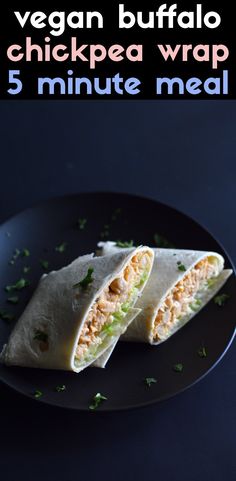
(161, 241)
(26, 269)
(25, 253)
(18, 285)
(88, 279)
(81, 223)
(125, 244)
(202, 352)
(106, 231)
(13, 299)
(178, 367)
(14, 257)
(61, 247)
(17, 253)
(37, 394)
(96, 401)
(116, 213)
(60, 388)
(44, 264)
(221, 299)
(149, 381)
(6, 316)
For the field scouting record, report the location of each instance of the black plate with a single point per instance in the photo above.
(43, 227)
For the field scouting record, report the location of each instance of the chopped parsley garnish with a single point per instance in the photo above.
(18, 285)
(86, 280)
(6, 316)
(40, 336)
(60, 388)
(13, 299)
(202, 352)
(125, 244)
(44, 264)
(96, 401)
(25, 253)
(116, 213)
(15, 256)
(178, 367)
(38, 394)
(17, 253)
(105, 232)
(161, 241)
(81, 223)
(61, 247)
(149, 381)
(221, 299)
(181, 267)
(26, 269)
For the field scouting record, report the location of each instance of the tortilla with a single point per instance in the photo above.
(74, 315)
(166, 304)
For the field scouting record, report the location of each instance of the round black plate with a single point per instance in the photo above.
(124, 217)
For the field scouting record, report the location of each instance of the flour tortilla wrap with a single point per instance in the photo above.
(62, 316)
(172, 274)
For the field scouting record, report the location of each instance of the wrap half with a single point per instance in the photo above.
(78, 312)
(180, 285)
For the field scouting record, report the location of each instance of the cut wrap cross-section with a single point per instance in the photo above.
(78, 312)
(181, 283)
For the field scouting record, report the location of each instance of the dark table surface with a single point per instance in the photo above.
(181, 153)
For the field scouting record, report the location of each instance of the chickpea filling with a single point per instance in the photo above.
(184, 298)
(106, 317)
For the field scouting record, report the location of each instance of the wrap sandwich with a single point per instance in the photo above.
(78, 312)
(180, 285)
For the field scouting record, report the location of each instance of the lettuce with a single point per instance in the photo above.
(142, 280)
(211, 282)
(195, 305)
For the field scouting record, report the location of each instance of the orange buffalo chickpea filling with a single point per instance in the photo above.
(182, 300)
(118, 293)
